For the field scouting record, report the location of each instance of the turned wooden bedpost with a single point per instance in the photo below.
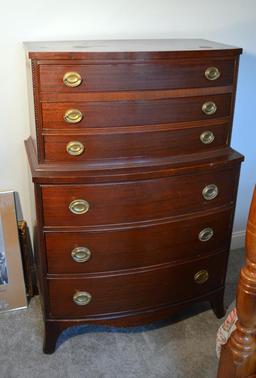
(238, 356)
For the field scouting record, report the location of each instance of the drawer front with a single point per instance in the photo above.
(152, 144)
(134, 76)
(135, 291)
(130, 113)
(110, 250)
(135, 201)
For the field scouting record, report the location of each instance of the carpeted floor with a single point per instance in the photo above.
(182, 348)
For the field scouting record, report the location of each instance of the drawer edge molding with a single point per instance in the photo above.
(130, 314)
(140, 224)
(133, 271)
(45, 173)
(206, 123)
(47, 97)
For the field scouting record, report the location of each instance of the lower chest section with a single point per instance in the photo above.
(127, 246)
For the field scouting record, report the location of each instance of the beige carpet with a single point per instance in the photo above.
(182, 348)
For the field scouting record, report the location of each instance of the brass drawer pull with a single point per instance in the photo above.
(201, 276)
(212, 73)
(206, 234)
(73, 116)
(209, 108)
(75, 148)
(72, 79)
(81, 254)
(207, 137)
(79, 206)
(210, 192)
(82, 298)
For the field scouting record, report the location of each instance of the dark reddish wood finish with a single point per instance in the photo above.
(130, 169)
(54, 327)
(150, 52)
(238, 355)
(127, 248)
(129, 113)
(131, 50)
(126, 77)
(137, 201)
(143, 172)
(135, 290)
(147, 144)
(53, 97)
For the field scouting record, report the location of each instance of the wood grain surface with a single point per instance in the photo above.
(135, 201)
(135, 76)
(144, 144)
(115, 249)
(132, 113)
(142, 171)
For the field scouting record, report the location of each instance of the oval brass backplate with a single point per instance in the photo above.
(73, 116)
(75, 148)
(82, 298)
(201, 276)
(72, 79)
(207, 137)
(210, 192)
(81, 254)
(79, 206)
(206, 234)
(209, 108)
(212, 73)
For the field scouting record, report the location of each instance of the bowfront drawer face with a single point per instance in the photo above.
(127, 202)
(135, 291)
(111, 250)
(75, 78)
(149, 144)
(83, 115)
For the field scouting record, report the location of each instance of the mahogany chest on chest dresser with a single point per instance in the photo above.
(135, 179)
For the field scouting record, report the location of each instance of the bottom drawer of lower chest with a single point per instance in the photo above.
(134, 291)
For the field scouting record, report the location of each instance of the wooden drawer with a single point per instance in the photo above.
(135, 291)
(111, 250)
(135, 201)
(130, 113)
(135, 76)
(148, 144)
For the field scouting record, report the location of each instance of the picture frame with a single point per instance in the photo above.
(27, 257)
(12, 285)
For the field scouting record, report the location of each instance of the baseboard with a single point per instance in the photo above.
(238, 239)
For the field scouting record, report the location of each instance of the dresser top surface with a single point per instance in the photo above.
(59, 49)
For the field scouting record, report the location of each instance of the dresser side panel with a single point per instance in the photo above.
(32, 110)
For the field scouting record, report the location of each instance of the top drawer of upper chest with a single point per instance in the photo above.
(79, 76)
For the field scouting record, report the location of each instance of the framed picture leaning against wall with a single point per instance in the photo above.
(12, 286)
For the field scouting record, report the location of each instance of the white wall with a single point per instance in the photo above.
(226, 21)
